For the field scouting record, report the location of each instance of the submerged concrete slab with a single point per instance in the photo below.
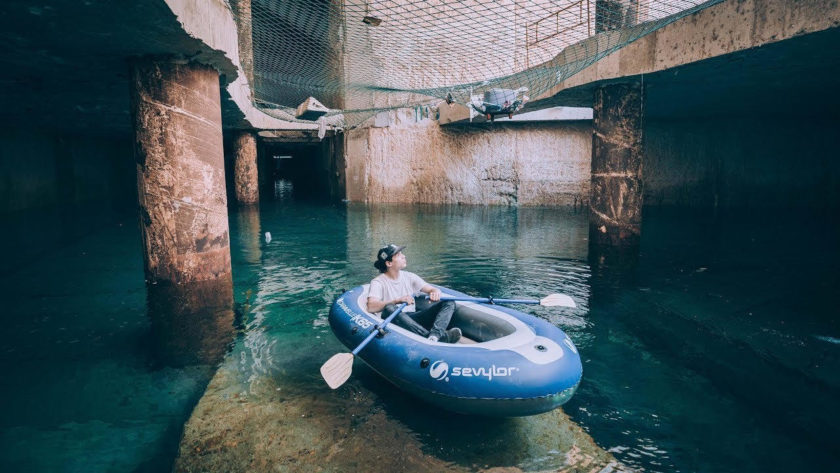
(279, 424)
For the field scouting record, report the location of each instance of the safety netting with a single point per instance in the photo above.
(362, 57)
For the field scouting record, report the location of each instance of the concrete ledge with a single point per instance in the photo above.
(728, 27)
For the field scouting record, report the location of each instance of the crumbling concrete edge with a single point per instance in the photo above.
(212, 23)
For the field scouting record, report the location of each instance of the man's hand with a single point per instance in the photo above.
(434, 295)
(375, 305)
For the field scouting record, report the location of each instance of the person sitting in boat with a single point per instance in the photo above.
(395, 286)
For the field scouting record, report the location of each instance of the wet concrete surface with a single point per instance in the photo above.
(367, 425)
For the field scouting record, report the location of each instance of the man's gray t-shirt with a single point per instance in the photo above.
(386, 289)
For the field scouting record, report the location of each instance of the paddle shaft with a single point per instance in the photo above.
(484, 300)
(490, 300)
(376, 329)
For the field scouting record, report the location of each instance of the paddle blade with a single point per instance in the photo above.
(553, 300)
(337, 369)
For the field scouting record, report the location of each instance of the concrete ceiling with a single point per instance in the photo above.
(65, 62)
(66, 68)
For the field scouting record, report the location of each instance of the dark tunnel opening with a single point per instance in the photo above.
(300, 171)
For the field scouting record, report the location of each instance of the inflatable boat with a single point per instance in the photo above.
(507, 363)
(499, 102)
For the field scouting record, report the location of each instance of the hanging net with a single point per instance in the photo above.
(361, 57)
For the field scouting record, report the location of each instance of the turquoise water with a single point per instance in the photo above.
(83, 387)
(715, 350)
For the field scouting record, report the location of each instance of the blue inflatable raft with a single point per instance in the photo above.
(508, 363)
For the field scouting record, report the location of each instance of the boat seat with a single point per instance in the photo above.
(478, 325)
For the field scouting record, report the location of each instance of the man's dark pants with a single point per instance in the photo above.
(436, 316)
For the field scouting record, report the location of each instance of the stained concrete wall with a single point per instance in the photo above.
(40, 170)
(698, 162)
(56, 188)
(742, 162)
(512, 164)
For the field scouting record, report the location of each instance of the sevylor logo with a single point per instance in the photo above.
(440, 371)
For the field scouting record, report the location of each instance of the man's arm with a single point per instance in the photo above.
(433, 292)
(374, 304)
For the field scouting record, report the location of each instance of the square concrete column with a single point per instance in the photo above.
(615, 203)
(177, 117)
(245, 178)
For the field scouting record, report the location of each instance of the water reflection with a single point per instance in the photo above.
(98, 373)
(248, 236)
(699, 354)
(317, 252)
(486, 250)
(191, 324)
(614, 268)
(685, 342)
(283, 189)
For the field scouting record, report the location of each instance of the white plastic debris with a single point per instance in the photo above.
(322, 128)
(268, 237)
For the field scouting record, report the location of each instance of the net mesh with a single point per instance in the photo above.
(361, 57)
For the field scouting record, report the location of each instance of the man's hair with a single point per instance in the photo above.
(380, 265)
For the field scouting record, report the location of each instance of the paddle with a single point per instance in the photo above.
(551, 300)
(339, 367)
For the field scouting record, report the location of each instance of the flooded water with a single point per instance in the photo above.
(715, 349)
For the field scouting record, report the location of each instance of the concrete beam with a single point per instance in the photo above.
(729, 27)
(291, 136)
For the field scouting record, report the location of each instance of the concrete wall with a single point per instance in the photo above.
(40, 170)
(57, 188)
(743, 162)
(728, 162)
(513, 164)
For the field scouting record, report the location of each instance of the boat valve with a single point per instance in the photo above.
(424, 363)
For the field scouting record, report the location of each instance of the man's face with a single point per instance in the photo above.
(398, 260)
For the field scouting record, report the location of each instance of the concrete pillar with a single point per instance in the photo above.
(246, 183)
(615, 203)
(180, 171)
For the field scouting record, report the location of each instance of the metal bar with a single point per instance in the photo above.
(375, 330)
(557, 31)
